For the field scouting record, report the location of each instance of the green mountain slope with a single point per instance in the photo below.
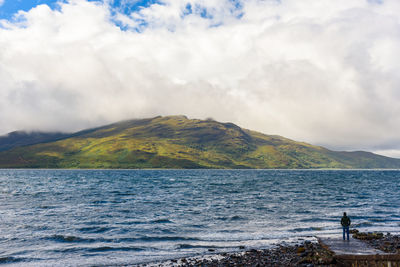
(178, 142)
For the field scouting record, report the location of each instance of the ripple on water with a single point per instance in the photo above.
(111, 249)
(10, 260)
(231, 218)
(94, 229)
(161, 221)
(70, 239)
(187, 246)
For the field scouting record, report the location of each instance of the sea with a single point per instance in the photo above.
(128, 217)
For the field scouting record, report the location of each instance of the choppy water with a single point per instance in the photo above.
(102, 217)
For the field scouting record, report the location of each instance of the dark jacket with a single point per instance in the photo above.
(345, 221)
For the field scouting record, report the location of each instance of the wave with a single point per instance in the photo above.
(317, 220)
(97, 249)
(45, 207)
(306, 229)
(70, 239)
(186, 246)
(161, 221)
(160, 238)
(95, 229)
(362, 224)
(231, 218)
(119, 193)
(5, 260)
(77, 239)
(106, 248)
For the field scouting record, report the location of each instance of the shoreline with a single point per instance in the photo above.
(306, 253)
(283, 254)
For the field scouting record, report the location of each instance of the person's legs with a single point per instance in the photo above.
(348, 233)
(344, 232)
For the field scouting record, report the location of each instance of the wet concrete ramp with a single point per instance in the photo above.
(351, 247)
(357, 253)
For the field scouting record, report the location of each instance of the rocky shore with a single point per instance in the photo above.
(306, 254)
(388, 243)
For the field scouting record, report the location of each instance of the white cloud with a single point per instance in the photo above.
(394, 153)
(320, 71)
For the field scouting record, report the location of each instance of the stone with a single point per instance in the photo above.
(300, 250)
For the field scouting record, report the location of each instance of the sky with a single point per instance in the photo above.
(319, 71)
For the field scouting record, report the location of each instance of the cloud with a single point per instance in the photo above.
(1, 2)
(320, 71)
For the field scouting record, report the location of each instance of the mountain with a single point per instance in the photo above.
(174, 142)
(20, 138)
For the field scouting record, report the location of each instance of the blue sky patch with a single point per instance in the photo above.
(188, 10)
(11, 7)
(127, 7)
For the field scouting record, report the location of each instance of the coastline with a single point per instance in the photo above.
(307, 254)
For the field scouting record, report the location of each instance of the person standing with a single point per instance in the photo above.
(346, 225)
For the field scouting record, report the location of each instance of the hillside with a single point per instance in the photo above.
(174, 142)
(19, 138)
